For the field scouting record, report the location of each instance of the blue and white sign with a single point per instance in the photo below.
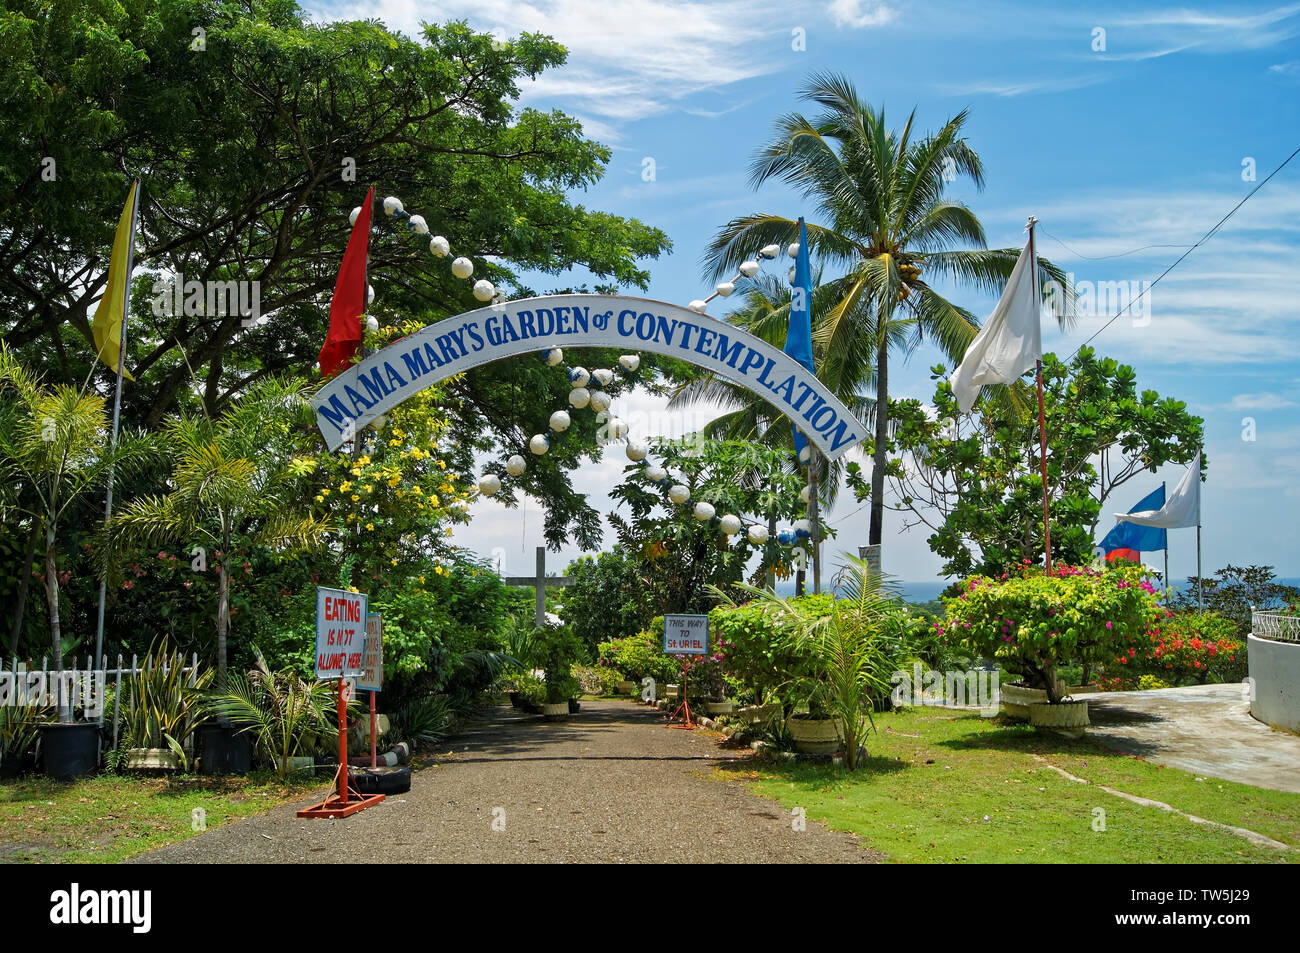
(686, 634)
(367, 390)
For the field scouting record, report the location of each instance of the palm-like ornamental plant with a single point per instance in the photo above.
(54, 450)
(234, 480)
(881, 194)
(849, 653)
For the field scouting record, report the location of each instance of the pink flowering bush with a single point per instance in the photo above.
(1033, 623)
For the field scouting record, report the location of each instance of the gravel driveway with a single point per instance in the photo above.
(610, 785)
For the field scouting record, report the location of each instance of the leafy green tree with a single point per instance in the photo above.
(234, 487)
(682, 555)
(612, 596)
(881, 196)
(1234, 590)
(254, 141)
(975, 481)
(54, 450)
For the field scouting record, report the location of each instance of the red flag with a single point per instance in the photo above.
(349, 301)
(1132, 555)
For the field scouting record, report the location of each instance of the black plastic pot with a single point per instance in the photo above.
(221, 751)
(574, 706)
(516, 700)
(69, 751)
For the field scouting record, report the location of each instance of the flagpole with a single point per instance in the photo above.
(117, 409)
(1162, 487)
(1200, 583)
(814, 518)
(1042, 417)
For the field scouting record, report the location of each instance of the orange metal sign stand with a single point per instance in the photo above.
(343, 803)
(684, 709)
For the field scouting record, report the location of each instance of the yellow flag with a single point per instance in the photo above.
(107, 326)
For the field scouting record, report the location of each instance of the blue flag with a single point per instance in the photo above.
(798, 336)
(1143, 539)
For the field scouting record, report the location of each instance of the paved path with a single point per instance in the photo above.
(1203, 729)
(611, 784)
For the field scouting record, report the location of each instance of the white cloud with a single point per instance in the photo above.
(1259, 402)
(860, 14)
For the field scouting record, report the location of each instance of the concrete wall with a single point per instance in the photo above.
(1275, 668)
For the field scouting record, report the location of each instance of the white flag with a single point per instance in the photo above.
(1183, 508)
(1010, 342)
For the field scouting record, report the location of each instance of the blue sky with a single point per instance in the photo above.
(1127, 154)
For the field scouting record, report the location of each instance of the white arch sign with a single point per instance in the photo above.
(389, 376)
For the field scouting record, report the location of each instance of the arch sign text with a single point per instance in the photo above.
(383, 380)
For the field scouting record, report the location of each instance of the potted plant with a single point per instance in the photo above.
(842, 656)
(19, 732)
(1034, 624)
(282, 712)
(558, 651)
(163, 705)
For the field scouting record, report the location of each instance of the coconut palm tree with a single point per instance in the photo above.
(234, 486)
(887, 222)
(54, 450)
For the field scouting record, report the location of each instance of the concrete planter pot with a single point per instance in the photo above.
(1016, 699)
(815, 735)
(1068, 717)
(1082, 689)
(625, 688)
(557, 712)
(756, 714)
(301, 766)
(673, 692)
(724, 707)
(152, 759)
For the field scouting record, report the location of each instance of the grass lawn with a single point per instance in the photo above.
(944, 786)
(109, 818)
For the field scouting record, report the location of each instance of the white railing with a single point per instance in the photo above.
(85, 688)
(1275, 626)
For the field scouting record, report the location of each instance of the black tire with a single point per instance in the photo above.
(381, 780)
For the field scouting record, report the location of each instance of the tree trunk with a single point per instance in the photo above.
(879, 457)
(20, 604)
(223, 618)
(52, 600)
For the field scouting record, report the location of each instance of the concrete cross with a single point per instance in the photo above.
(540, 583)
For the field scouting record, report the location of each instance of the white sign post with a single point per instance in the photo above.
(685, 635)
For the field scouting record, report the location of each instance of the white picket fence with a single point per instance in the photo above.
(85, 688)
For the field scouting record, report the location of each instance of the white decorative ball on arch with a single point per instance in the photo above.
(725, 288)
(516, 466)
(656, 474)
(372, 323)
(704, 511)
(418, 225)
(489, 484)
(378, 423)
(554, 356)
(630, 362)
(806, 493)
(679, 493)
(617, 428)
(539, 444)
(560, 421)
(805, 454)
(600, 401)
(793, 250)
(392, 205)
(758, 534)
(352, 219)
(769, 251)
(579, 397)
(638, 450)
(791, 275)
(699, 306)
(370, 294)
(749, 268)
(603, 376)
(462, 268)
(730, 524)
(483, 290)
(579, 377)
(802, 528)
(439, 246)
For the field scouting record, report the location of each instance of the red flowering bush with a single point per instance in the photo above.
(1183, 648)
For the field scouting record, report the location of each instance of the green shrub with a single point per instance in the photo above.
(595, 679)
(638, 656)
(754, 643)
(163, 703)
(560, 648)
(1184, 648)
